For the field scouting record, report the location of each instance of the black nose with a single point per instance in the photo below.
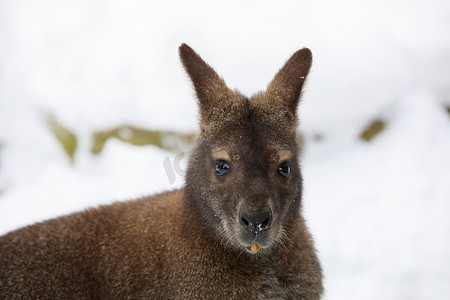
(256, 222)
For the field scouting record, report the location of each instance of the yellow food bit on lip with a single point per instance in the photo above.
(255, 247)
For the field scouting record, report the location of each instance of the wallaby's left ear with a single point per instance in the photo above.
(287, 84)
(211, 90)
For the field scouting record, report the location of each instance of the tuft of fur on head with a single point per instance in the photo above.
(254, 136)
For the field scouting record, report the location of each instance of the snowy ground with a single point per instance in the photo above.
(378, 210)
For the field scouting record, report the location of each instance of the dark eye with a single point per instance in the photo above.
(284, 169)
(222, 168)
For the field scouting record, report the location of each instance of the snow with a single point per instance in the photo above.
(378, 210)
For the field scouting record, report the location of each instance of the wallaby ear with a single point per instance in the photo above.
(287, 84)
(209, 87)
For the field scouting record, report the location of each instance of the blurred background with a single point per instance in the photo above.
(95, 107)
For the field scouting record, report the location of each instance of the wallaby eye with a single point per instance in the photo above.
(284, 169)
(222, 168)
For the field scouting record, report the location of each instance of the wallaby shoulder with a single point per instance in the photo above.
(96, 252)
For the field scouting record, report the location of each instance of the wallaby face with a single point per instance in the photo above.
(244, 173)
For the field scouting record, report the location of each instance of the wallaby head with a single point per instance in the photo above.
(243, 178)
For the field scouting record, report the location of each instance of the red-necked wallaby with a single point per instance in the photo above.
(234, 231)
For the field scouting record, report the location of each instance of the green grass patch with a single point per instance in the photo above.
(168, 140)
(372, 130)
(65, 137)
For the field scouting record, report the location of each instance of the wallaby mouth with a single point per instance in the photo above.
(254, 247)
(254, 228)
(258, 243)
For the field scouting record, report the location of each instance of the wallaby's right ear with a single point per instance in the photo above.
(287, 84)
(209, 87)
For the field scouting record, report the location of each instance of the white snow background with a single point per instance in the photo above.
(379, 210)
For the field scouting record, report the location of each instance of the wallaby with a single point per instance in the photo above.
(235, 231)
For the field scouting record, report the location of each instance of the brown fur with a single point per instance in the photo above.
(189, 243)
